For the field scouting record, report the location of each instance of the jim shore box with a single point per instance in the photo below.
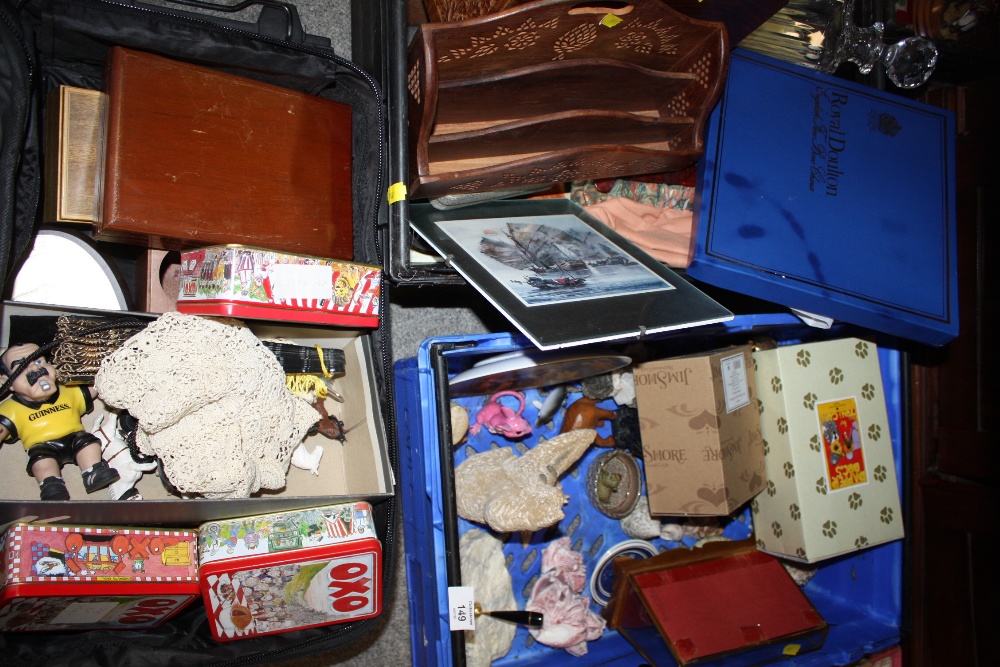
(832, 485)
(700, 431)
(67, 577)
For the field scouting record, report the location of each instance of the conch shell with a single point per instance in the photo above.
(513, 493)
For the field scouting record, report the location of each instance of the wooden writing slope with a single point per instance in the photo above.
(198, 157)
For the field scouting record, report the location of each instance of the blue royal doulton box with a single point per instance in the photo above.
(830, 197)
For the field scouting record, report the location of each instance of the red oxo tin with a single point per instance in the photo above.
(60, 577)
(272, 573)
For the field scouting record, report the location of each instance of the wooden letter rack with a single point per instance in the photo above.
(554, 91)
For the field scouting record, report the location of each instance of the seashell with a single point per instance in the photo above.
(801, 573)
(672, 531)
(548, 408)
(705, 540)
(511, 493)
(639, 524)
(624, 393)
(485, 570)
(459, 422)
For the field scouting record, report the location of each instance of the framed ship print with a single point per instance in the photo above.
(561, 276)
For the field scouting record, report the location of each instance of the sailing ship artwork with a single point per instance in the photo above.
(552, 258)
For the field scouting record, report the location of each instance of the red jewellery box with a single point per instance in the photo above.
(83, 577)
(272, 573)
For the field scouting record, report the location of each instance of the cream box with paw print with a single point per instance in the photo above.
(828, 451)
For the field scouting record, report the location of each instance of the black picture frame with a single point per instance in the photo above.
(557, 322)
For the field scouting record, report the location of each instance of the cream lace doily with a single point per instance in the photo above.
(211, 402)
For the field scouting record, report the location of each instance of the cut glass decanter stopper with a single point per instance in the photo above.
(820, 34)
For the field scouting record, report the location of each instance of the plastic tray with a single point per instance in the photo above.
(859, 595)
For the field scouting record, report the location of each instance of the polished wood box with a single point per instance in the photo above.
(197, 156)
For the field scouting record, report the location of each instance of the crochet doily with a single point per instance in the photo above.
(211, 402)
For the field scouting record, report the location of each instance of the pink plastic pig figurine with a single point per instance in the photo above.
(501, 420)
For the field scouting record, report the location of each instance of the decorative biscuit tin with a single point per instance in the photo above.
(243, 281)
(274, 573)
(61, 577)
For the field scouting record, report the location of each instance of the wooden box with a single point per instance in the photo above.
(706, 605)
(196, 156)
(554, 91)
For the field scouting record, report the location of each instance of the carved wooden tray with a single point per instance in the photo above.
(554, 91)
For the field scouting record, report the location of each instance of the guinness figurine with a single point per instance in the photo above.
(46, 418)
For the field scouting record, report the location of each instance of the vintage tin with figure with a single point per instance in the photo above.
(288, 571)
(63, 577)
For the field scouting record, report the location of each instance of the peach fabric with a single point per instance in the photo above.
(664, 233)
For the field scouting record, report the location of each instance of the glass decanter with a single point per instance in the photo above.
(820, 34)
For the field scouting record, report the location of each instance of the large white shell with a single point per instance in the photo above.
(511, 493)
(639, 524)
(485, 570)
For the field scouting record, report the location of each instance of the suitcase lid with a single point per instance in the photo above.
(830, 197)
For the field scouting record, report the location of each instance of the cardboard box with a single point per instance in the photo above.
(64, 577)
(786, 209)
(670, 606)
(828, 449)
(158, 280)
(700, 428)
(273, 573)
(243, 281)
(356, 469)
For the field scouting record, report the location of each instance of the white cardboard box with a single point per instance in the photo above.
(357, 470)
(827, 449)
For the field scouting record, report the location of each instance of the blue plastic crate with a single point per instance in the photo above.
(858, 595)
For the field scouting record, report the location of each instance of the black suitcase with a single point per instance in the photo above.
(45, 43)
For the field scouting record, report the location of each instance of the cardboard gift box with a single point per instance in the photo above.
(700, 431)
(274, 573)
(244, 281)
(63, 577)
(700, 606)
(828, 450)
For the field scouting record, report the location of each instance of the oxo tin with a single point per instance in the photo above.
(62, 577)
(288, 571)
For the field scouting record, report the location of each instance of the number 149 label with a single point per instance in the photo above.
(461, 608)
